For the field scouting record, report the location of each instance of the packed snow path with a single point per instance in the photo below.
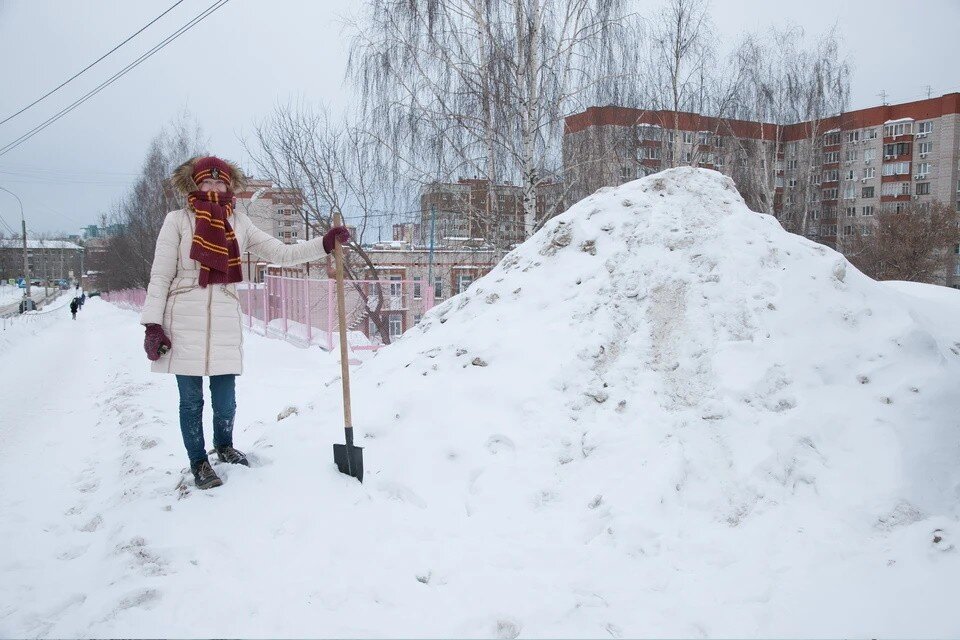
(661, 416)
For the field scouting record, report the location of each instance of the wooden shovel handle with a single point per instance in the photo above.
(342, 321)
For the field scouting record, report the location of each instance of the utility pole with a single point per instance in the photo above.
(26, 263)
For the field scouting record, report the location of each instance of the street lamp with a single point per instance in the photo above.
(23, 224)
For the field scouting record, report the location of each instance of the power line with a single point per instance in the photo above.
(196, 20)
(86, 68)
(8, 227)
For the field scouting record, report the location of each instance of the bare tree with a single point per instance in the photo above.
(331, 165)
(140, 214)
(795, 93)
(914, 244)
(480, 87)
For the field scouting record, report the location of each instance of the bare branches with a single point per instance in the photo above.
(481, 87)
(914, 244)
(140, 214)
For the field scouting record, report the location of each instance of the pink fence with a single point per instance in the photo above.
(126, 298)
(303, 311)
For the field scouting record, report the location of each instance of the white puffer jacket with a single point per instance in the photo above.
(204, 324)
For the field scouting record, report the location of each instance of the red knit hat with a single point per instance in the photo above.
(212, 167)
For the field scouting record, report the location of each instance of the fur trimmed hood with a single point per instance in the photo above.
(182, 178)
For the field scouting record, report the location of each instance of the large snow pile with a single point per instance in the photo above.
(662, 416)
(665, 403)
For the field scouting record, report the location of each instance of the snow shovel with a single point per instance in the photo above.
(349, 458)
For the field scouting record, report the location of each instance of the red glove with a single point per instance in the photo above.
(335, 233)
(155, 342)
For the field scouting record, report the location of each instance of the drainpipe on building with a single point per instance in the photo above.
(433, 218)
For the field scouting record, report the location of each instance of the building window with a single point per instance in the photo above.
(703, 138)
(869, 172)
(464, 280)
(896, 168)
(792, 183)
(847, 229)
(815, 214)
(893, 130)
(870, 134)
(865, 229)
(850, 155)
(925, 148)
(923, 188)
(396, 286)
(688, 137)
(625, 173)
(437, 287)
(830, 194)
(649, 132)
(895, 150)
(396, 325)
(791, 165)
(791, 148)
(416, 318)
(687, 156)
(850, 175)
(956, 269)
(778, 182)
(853, 136)
(869, 155)
(852, 212)
(925, 128)
(833, 156)
(923, 169)
(850, 191)
(831, 139)
(867, 210)
(416, 287)
(956, 249)
(650, 153)
(831, 176)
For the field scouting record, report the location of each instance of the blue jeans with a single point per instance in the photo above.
(224, 401)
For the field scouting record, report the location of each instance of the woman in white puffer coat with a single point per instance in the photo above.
(192, 312)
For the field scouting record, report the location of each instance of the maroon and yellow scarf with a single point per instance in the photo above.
(214, 243)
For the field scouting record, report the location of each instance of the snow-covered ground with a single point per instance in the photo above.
(661, 416)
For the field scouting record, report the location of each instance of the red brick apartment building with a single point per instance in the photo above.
(859, 163)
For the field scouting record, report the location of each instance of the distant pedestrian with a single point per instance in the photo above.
(74, 305)
(83, 298)
(192, 312)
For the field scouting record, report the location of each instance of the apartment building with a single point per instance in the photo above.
(842, 170)
(459, 212)
(276, 211)
(48, 260)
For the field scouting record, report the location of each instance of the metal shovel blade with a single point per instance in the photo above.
(349, 460)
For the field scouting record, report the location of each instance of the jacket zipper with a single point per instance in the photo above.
(206, 366)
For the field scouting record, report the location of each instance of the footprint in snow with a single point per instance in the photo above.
(499, 442)
(508, 629)
(401, 492)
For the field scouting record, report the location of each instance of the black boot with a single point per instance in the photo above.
(204, 476)
(231, 455)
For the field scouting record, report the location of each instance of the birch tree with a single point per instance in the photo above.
(796, 93)
(481, 87)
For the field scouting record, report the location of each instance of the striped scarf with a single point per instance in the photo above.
(214, 243)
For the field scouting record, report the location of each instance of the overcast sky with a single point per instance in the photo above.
(268, 52)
